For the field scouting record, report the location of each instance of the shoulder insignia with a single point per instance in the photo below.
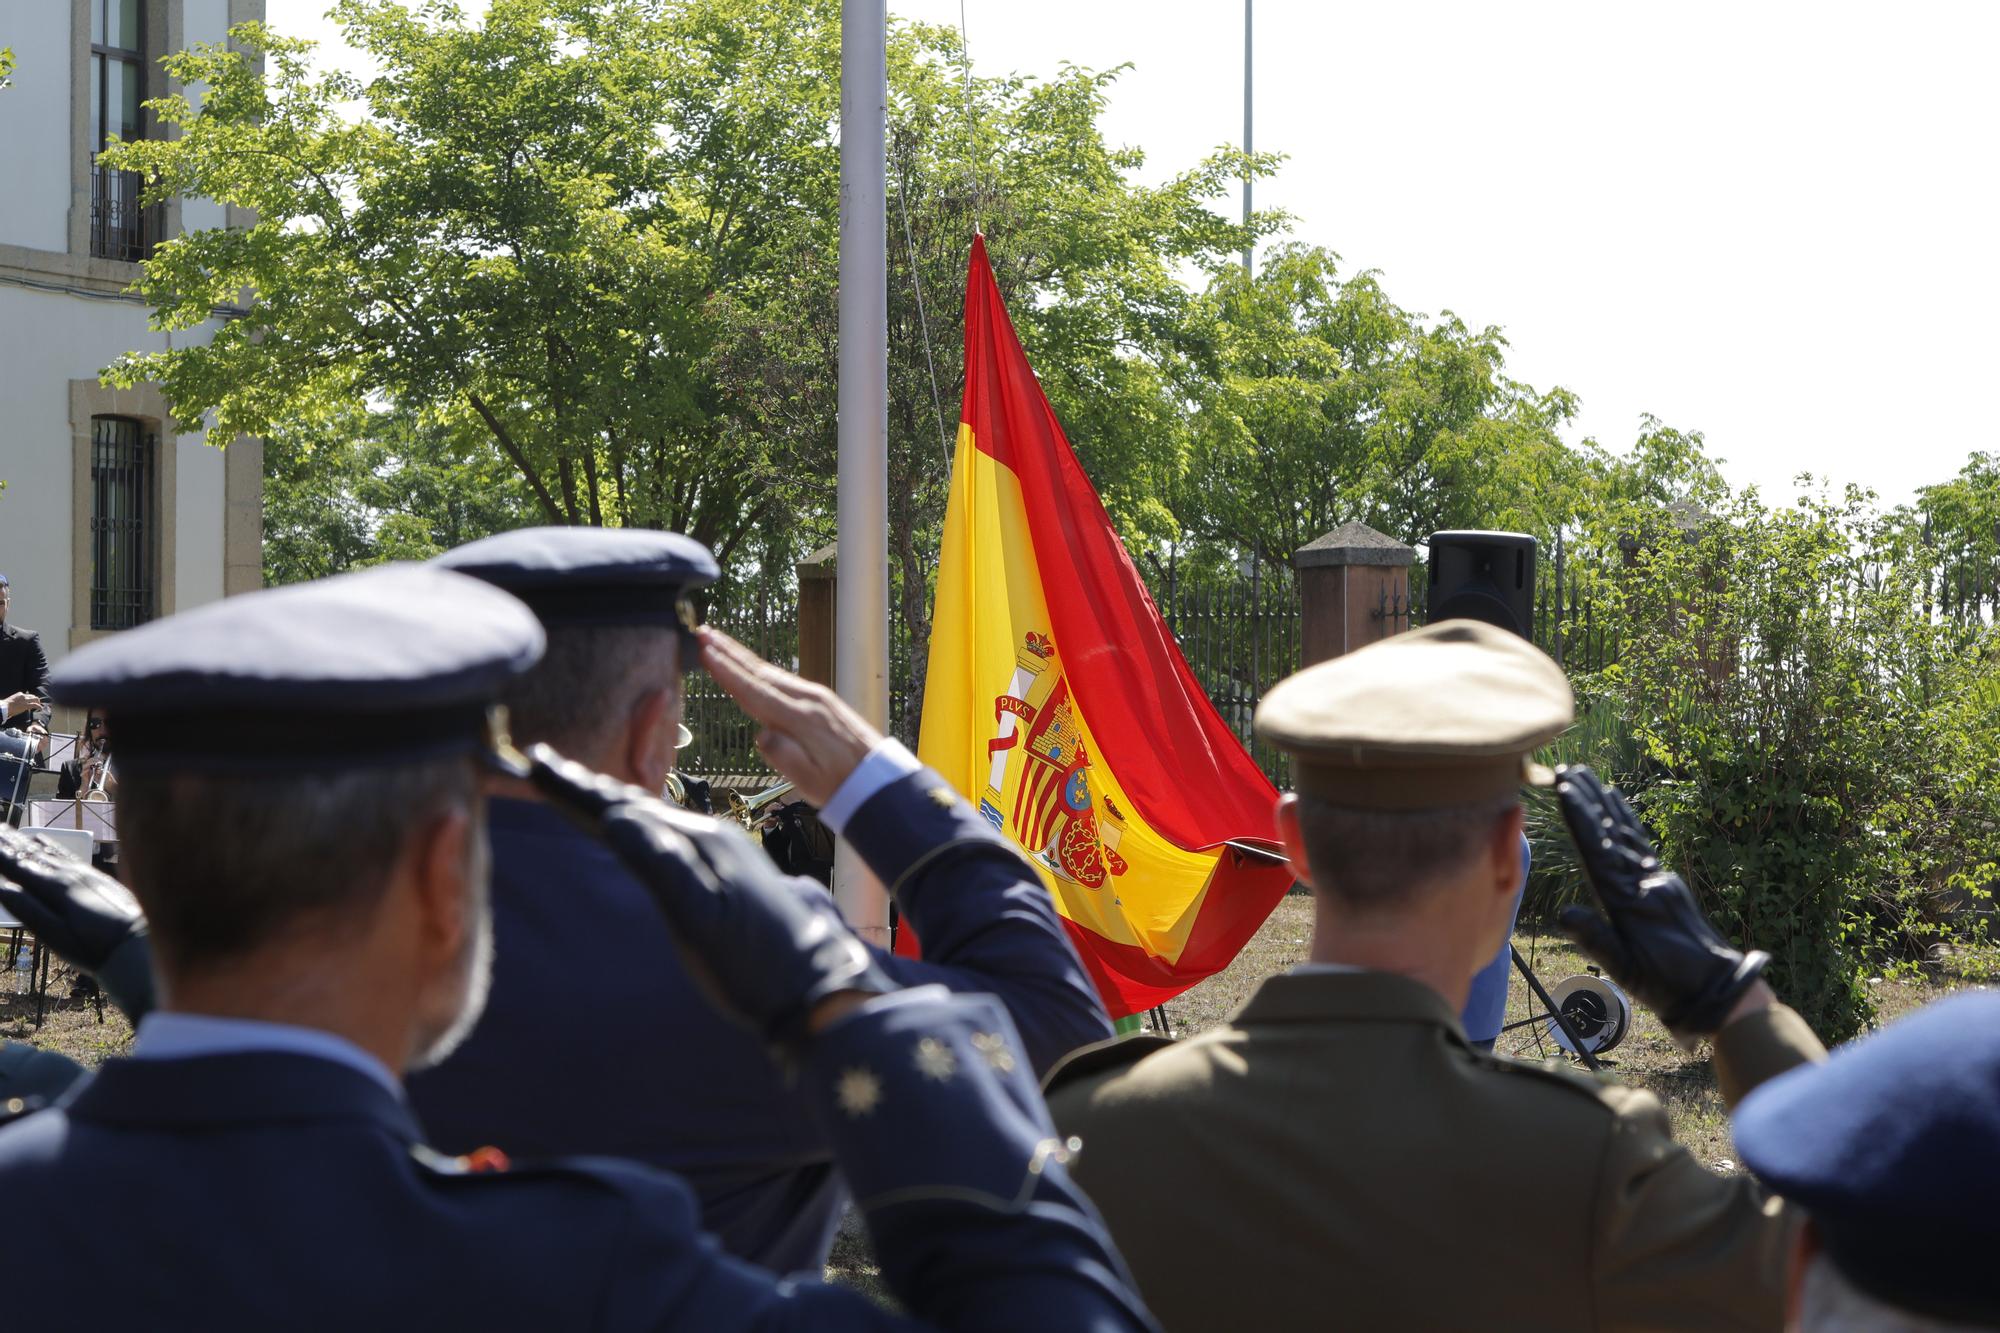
(13, 1108)
(485, 1161)
(1103, 1057)
(1597, 1088)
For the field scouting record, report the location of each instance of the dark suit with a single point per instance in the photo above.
(270, 1190)
(22, 665)
(595, 1041)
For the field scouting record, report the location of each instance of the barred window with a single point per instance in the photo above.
(123, 469)
(119, 229)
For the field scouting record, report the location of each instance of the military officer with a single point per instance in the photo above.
(1891, 1149)
(312, 864)
(629, 1060)
(1339, 1145)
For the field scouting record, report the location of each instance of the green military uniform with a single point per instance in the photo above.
(1338, 1155)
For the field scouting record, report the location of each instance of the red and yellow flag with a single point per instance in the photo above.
(1058, 702)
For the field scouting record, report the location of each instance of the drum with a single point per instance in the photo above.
(17, 765)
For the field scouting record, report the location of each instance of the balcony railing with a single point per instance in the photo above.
(119, 228)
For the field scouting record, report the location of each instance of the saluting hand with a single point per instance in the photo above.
(810, 734)
(781, 960)
(88, 918)
(1652, 936)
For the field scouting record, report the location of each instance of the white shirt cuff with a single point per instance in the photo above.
(889, 761)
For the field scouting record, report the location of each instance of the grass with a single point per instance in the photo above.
(1647, 1057)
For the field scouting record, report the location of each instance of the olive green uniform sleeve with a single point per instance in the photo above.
(1676, 1246)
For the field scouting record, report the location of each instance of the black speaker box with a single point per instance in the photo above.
(1487, 576)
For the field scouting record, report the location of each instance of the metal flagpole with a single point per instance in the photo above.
(861, 612)
(1248, 145)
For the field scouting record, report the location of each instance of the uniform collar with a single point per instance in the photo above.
(1327, 995)
(247, 1088)
(512, 815)
(166, 1035)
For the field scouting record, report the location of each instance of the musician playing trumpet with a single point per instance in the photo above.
(88, 776)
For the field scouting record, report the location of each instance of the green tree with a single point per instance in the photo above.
(1328, 403)
(518, 238)
(373, 486)
(597, 236)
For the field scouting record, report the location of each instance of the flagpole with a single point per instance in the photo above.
(861, 613)
(1248, 146)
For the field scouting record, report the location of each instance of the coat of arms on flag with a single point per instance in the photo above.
(1062, 706)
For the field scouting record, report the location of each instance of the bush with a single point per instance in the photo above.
(1816, 748)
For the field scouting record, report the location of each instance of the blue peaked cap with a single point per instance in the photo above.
(591, 576)
(388, 665)
(1893, 1148)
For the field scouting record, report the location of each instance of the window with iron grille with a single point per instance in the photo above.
(119, 228)
(122, 485)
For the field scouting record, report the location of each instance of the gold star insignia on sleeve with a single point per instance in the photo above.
(935, 1060)
(858, 1092)
(944, 797)
(993, 1047)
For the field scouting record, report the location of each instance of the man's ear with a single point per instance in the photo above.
(1805, 1248)
(650, 732)
(1503, 850)
(1293, 837)
(440, 861)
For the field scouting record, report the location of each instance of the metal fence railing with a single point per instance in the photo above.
(119, 227)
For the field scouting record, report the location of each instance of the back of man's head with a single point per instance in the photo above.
(583, 696)
(226, 864)
(1381, 862)
(299, 805)
(614, 603)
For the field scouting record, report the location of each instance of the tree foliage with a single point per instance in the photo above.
(598, 239)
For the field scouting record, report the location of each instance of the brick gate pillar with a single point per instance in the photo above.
(819, 577)
(1354, 588)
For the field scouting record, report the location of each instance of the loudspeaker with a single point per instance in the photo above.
(1487, 576)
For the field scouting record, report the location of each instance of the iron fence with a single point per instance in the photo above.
(765, 619)
(1239, 638)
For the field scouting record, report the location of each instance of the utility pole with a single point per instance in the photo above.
(1248, 142)
(861, 613)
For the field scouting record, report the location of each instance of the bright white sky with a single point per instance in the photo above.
(1773, 223)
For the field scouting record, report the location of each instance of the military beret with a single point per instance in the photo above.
(591, 576)
(1445, 715)
(1893, 1148)
(389, 665)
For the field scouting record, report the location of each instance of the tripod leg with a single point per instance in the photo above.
(1535, 985)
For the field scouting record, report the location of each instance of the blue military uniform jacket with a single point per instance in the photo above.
(273, 1190)
(595, 1041)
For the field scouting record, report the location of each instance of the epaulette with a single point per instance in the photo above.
(13, 1108)
(1103, 1057)
(1598, 1088)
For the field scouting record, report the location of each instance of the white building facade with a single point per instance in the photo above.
(112, 515)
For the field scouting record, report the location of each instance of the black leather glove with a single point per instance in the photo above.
(1652, 936)
(89, 919)
(766, 952)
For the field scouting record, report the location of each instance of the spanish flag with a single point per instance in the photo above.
(1058, 702)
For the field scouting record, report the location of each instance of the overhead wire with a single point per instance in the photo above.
(923, 321)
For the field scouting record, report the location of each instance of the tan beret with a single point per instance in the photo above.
(1450, 714)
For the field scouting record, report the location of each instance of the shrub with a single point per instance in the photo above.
(1816, 747)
